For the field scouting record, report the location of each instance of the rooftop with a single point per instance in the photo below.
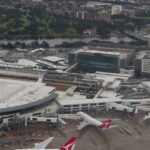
(27, 63)
(78, 101)
(51, 65)
(140, 55)
(22, 63)
(37, 50)
(108, 94)
(147, 83)
(106, 97)
(53, 58)
(16, 93)
(108, 77)
(146, 57)
(98, 51)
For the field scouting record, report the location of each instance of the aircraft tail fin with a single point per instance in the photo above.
(106, 124)
(69, 145)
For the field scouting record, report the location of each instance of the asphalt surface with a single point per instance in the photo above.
(92, 138)
(132, 133)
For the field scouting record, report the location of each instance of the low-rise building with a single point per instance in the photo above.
(116, 9)
(142, 66)
(103, 15)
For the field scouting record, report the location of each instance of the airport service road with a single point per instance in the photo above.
(141, 143)
(113, 140)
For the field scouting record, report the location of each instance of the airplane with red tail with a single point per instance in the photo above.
(69, 145)
(88, 120)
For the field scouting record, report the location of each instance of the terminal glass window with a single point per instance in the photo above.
(97, 62)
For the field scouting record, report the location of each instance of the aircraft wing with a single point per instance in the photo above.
(103, 119)
(69, 145)
(43, 144)
(82, 125)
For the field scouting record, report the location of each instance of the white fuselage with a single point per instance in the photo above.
(89, 119)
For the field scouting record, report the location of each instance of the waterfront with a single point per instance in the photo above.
(59, 41)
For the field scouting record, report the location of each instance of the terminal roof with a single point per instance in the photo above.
(98, 51)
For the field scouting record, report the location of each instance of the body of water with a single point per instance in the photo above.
(59, 41)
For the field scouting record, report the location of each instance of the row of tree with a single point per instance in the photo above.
(23, 45)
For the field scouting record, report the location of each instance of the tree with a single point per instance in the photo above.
(44, 44)
(35, 44)
(10, 46)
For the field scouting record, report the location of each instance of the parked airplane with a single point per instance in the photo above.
(69, 145)
(88, 120)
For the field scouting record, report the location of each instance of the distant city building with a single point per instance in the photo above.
(94, 5)
(103, 15)
(116, 9)
(146, 64)
(90, 32)
(80, 15)
(143, 64)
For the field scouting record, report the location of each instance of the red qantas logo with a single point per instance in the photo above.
(69, 144)
(106, 124)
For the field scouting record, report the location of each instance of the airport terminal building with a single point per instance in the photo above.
(23, 96)
(104, 60)
(92, 61)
